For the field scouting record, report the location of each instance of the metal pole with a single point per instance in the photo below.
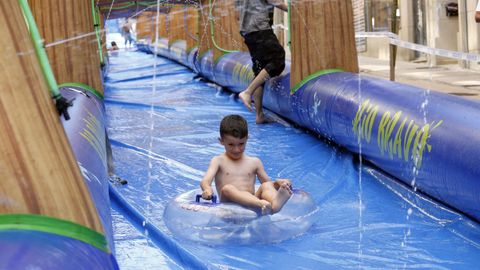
(393, 48)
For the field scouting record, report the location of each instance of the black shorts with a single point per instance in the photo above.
(266, 52)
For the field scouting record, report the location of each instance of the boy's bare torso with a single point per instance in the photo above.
(240, 173)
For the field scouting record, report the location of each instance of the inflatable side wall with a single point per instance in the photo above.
(428, 140)
(86, 134)
(42, 242)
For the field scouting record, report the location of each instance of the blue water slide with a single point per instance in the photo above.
(163, 138)
(427, 139)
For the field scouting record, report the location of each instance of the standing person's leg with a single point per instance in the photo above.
(268, 58)
(257, 82)
(258, 102)
(254, 43)
(128, 39)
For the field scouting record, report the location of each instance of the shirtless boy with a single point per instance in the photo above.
(235, 173)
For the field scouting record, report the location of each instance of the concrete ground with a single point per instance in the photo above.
(450, 79)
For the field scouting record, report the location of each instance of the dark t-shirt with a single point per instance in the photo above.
(256, 15)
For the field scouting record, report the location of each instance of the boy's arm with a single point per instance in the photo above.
(278, 4)
(263, 177)
(206, 183)
(261, 173)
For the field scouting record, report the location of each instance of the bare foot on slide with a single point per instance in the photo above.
(246, 99)
(266, 207)
(283, 194)
(262, 119)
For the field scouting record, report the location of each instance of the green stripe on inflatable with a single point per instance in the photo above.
(146, 3)
(313, 76)
(125, 5)
(55, 226)
(84, 86)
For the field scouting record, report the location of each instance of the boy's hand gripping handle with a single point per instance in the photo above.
(199, 196)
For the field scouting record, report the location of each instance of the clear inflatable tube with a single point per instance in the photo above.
(227, 223)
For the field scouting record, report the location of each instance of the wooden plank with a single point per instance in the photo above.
(176, 24)
(103, 35)
(70, 40)
(204, 39)
(145, 23)
(181, 22)
(160, 26)
(191, 27)
(226, 28)
(322, 37)
(38, 170)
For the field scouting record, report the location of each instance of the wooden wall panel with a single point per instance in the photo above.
(68, 31)
(204, 39)
(191, 29)
(322, 37)
(145, 23)
(176, 24)
(163, 26)
(38, 171)
(180, 23)
(160, 27)
(103, 35)
(227, 27)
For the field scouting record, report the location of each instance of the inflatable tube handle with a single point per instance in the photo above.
(199, 196)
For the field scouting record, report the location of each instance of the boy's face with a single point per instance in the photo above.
(234, 147)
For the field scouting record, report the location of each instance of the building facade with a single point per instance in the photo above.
(437, 24)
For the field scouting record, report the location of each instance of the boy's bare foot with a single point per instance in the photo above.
(246, 99)
(265, 207)
(283, 194)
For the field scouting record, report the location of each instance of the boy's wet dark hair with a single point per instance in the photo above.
(234, 125)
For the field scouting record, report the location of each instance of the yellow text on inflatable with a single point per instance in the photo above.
(242, 73)
(394, 136)
(95, 135)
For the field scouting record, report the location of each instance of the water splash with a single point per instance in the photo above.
(152, 127)
(360, 189)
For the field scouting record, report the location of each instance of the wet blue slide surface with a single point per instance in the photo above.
(164, 131)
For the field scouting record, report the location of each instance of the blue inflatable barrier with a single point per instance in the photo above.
(26, 249)
(428, 140)
(86, 134)
(32, 241)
